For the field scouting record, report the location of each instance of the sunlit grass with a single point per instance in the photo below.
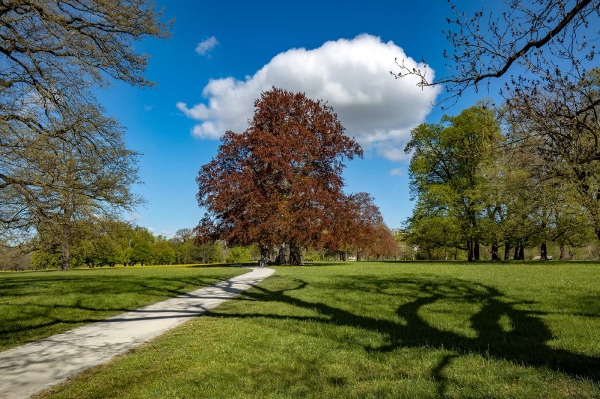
(373, 330)
(35, 305)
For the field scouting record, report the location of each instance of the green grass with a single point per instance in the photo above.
(378, 330)
(35, 305)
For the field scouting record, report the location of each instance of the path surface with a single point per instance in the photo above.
(28, 369)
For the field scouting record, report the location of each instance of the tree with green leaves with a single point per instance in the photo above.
(559, 127)
(447, 171)
(430, 232)
(61, 179)
(61, 159)
(162, 252)
(140, 247)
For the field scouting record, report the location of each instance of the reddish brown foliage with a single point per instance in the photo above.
(360, 228)
(279, 181)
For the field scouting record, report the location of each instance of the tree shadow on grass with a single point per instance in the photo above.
(503, 329)
(42, 306)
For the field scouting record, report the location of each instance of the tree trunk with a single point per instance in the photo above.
(342, 256)
(521, 252)
(516, 255)
(281, 256)
(495, 249)
(506, 251)
(264, 251)
(295, 254)
(476, 250)
(65, 249)
(470, 252)
(265, 255)
(563, 251)
(358, 256)
(543, 251)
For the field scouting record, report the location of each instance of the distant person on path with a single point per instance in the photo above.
(261, 262)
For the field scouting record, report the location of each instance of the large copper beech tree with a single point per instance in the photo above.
(279, 181)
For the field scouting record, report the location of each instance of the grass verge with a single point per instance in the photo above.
(378, 330)
(35, 305)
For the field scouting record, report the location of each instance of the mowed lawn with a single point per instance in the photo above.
(378, 330)
(35, 305)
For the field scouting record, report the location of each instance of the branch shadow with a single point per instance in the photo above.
(523, 342)
(71, 301)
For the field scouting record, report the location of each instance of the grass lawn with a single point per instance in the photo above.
(378, 330)
(35, 305)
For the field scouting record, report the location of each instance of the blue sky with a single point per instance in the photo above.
(222, 54)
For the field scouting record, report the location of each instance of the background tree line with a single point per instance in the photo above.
(109, 243)
(524, 175)
(105, 243)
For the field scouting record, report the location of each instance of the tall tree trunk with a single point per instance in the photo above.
(506, 251)
(295, 254)
(470, 250)
(65, 248)
(563, 252)
(265, 253)
(281, 256)
(521, 252)
(543, 251)
(516, 254)
(476, 249)
(495, 249)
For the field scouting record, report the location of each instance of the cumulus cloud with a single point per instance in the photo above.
(396, 172)
(353, 76)
(205, 46)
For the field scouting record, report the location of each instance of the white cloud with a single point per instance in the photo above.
(149, 108)
(396, 172)
(205, 46)
(353, 76)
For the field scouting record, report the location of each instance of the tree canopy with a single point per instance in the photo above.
(61, 158)
(447, 174)
(68, 177)
(474, 186)
(280, 180)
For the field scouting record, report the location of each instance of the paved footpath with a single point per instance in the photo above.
(28, 369)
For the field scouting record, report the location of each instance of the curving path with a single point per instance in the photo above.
(28, 369)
